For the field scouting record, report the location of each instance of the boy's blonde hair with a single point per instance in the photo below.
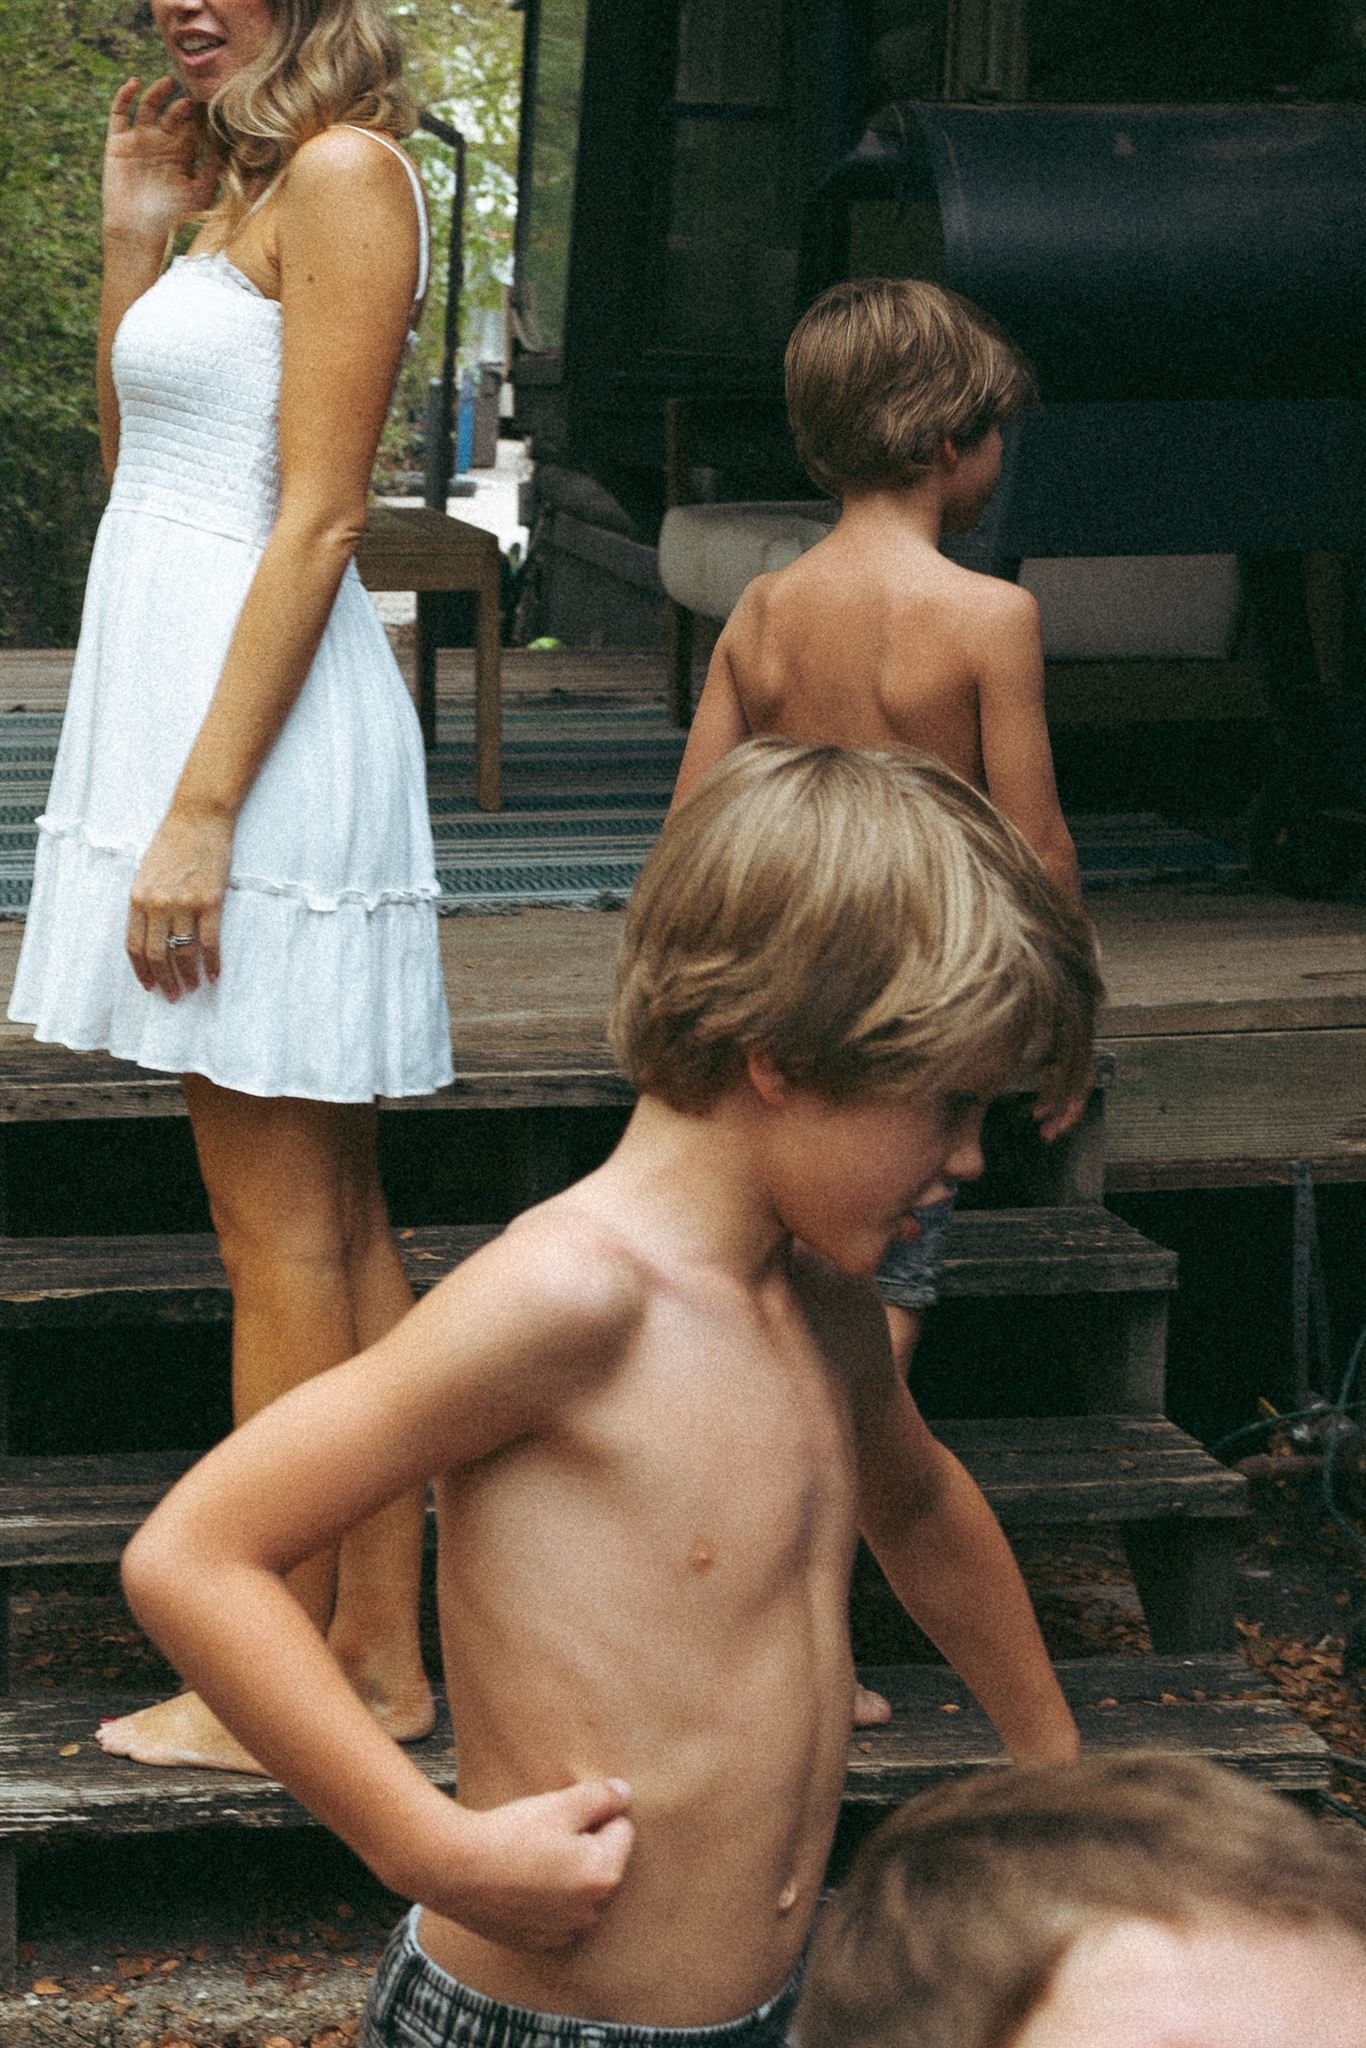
(882, 370)
(866, 920)
(961, 1908)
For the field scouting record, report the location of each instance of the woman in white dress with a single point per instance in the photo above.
(235, 878)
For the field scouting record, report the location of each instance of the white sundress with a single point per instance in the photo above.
(331, 986)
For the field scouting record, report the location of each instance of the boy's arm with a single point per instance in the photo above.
(460, 1377)
(930, 1527)
(718, 724)
(1016, 756)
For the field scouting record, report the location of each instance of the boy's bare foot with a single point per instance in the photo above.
(870, 1709)
(177, 1731)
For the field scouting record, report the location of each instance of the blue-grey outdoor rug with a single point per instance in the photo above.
(585, 788)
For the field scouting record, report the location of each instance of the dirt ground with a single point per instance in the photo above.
(243, 1941)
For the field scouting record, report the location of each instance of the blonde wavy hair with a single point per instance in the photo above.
(324, 61)
(866, 920)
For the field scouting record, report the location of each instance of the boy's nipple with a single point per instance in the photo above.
(702, 1556)
(787, 1897)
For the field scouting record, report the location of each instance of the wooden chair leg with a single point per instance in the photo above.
(679, 630)
(428, 609)
(488, 696)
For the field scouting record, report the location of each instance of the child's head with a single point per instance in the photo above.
(1045, 1905)
(881, 371)
(866, 921)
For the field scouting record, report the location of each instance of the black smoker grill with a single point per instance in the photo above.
(1190, 284)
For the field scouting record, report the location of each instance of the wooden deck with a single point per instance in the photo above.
(1237, 1021)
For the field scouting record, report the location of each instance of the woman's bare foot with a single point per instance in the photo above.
(184, 1731)
(177, 1731)
(870, 1709)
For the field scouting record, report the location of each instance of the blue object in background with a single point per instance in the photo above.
(464, 432)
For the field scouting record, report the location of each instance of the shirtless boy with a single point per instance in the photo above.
(1139, 1901)
(653, 1426)
(896, 394)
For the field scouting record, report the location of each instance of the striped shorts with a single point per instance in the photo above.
(413, 2004)
(909, 1275)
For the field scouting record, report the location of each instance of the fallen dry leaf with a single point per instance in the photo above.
(69, 1749)
(47, 1987)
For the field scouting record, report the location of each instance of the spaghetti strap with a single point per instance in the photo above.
(423, 259)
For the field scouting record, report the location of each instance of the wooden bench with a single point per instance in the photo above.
(56, 1785)
(413, 547)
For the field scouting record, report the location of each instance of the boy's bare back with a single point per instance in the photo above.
(873, 638)
(846, 649)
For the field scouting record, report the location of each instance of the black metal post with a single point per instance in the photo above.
(441, 407)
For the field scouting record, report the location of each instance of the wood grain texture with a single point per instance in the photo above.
(1233, 1108)
(1035, 1471)
(71, 1282)
(45, 1796)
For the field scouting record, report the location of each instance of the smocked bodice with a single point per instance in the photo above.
(197, 370)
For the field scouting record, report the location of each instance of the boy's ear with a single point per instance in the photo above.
(768, 1084)
(948, 454)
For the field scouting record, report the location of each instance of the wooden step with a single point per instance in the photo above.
(49, 1283)
(1178, 1510)
(1035, 1470)
(1212, 1706)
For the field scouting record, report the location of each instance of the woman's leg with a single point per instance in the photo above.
(294, 1193)
(374, 1628)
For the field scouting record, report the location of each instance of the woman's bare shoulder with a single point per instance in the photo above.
(350, 159)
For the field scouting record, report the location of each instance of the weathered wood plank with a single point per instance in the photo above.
(86, 1282)
(46, 1796)
(1181, 962)
(1225, 1108)
(68, 1282)
(1034, 1470)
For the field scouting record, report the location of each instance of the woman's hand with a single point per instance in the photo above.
(156, 171)
(177, 897)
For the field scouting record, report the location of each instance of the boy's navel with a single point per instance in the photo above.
(702, 1556)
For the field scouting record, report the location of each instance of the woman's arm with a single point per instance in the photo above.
(348, 252)
(154, 178)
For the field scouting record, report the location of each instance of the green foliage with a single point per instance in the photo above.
(63, 61)
(465, 60)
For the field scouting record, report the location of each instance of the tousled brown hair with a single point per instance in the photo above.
(868, 921)
(960, 1909)
(882, 370)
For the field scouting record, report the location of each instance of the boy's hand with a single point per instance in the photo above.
(1056, 1119)
(545, 1868)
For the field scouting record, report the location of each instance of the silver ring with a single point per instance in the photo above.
(179, 939)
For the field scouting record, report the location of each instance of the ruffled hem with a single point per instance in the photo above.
(369, 968)
(264, 885)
